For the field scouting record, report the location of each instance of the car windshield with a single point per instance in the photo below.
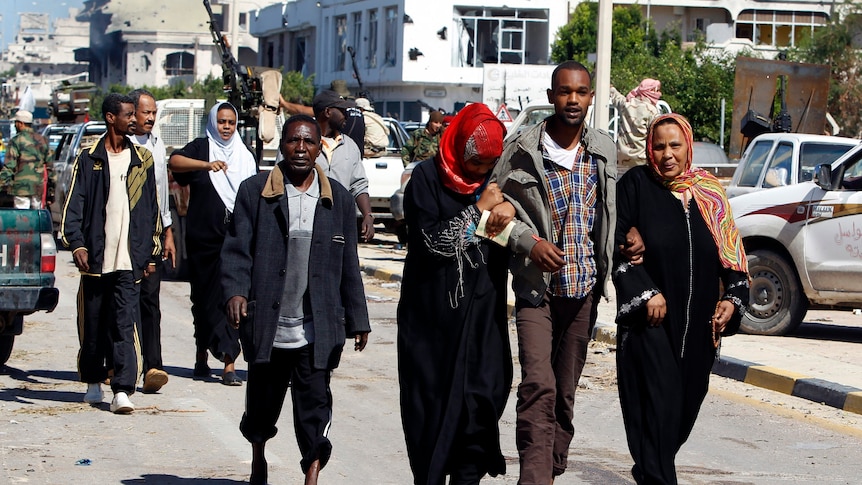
(754, 163)
(814, 154)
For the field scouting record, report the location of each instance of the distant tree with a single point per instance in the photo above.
(297, 88)
(838, 45)
(694, 80)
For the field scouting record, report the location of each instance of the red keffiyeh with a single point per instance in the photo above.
(709, 196)
(474, 133)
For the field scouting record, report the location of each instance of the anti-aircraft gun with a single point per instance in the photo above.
(253, 90)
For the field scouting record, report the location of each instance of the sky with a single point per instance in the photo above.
(10, 10)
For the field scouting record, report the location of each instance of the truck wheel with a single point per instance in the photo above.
(6, 342)
(777, 304)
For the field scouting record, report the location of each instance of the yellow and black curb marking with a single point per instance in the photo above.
(818, 390)
(380, 274)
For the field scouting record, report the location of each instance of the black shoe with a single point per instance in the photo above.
(202, 370)
(231, 379)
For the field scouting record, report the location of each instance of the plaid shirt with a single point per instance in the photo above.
(573, 210)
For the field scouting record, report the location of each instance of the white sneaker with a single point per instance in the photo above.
(121, 404)
(94, 393)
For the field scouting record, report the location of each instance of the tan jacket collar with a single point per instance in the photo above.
(274, 186)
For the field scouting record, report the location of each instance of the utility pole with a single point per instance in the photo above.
(603, 65)
(234, 29)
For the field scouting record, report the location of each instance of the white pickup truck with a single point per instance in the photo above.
(779, 159)
(804, 245)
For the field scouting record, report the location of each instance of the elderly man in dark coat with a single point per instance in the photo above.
(290, 271)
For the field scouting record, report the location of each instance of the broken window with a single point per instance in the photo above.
(180, 64)
(390, 50)
(372, 39)
(501, 36)
(340, 42)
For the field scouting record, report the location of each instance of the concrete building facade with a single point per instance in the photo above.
(42, 57)
(410, 54)
(161, 42)
(765, 27)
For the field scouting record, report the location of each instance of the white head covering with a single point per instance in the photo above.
(240, 161)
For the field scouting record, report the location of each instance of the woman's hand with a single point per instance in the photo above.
(217, 165)
(656, 310)
(500, 217)
(723, 313)
(491, 196)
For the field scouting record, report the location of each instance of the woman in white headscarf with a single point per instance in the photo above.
(213, 167)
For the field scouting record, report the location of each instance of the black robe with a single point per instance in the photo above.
(663, 372)
(454, 358)
(206, 226)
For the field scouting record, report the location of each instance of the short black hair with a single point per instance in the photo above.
(112, 103)
(571, 66)
(300, 119)
(137, 93)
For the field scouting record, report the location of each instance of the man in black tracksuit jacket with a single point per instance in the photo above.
(112, 225)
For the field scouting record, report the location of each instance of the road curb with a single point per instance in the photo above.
(380, 274)
(798, 385)
(794, 384)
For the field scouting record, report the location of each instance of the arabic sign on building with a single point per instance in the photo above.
(515, 85)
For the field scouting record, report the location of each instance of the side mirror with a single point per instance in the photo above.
(824, 176)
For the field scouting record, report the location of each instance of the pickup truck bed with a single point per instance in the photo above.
(27, 260)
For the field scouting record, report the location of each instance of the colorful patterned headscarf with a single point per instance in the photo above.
(708, 194)
(474, 133)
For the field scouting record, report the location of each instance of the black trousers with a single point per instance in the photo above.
(312, 402)
(151, 320)
(108, 312)
(212, 331)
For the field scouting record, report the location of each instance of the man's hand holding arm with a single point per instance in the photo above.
(633, 249)
(547, 256)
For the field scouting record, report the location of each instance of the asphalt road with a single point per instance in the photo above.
(188, 433)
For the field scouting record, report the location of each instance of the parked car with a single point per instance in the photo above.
(384, 174)
(411, 126)
(804, 245)
(53, 133)
(73, 139)
(779, 159)
(711, 157)
(28, 257)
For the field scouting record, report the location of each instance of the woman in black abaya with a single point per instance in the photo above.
(454, 359)
(672, 309)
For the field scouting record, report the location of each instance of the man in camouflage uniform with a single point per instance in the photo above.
(27, 159)
(422, 144)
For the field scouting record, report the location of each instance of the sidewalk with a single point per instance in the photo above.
(812, 373)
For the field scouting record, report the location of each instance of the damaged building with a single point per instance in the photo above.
(160, 42)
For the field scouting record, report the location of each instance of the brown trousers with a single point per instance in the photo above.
(552, 347)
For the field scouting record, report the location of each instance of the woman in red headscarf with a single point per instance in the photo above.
(454, 359)
(691, 288)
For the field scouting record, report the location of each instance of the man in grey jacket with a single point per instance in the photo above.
(290, 271)
(560, 178)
